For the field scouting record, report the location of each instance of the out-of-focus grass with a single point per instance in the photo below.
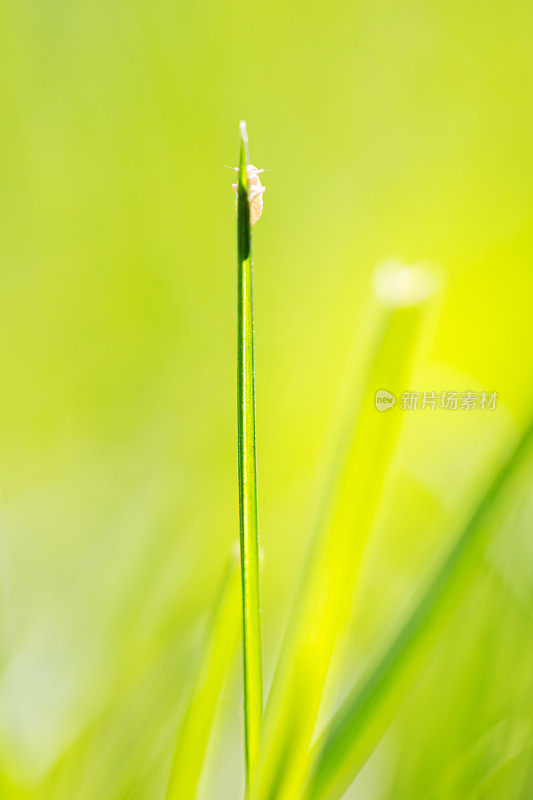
(346, 743)
(117, 454)
(346, 515)
(197, 723)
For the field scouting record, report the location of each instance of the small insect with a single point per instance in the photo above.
(255, 192)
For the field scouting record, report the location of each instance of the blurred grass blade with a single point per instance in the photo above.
(249, 541)
(195, 729)
(355, 729)
(346, 515)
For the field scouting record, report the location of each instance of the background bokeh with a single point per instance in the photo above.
(394, 130)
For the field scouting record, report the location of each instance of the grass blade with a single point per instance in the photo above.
(249, 540)
(347, 513)
(195, 729)
(350, 737)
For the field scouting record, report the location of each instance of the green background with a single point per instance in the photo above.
(394, 130)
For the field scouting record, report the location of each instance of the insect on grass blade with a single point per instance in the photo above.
(249, 538)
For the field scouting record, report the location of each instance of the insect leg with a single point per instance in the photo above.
(255, 192)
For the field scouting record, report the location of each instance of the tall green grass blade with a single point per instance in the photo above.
(197, 723)
(355, 729)
(249, 539)
(346, 515)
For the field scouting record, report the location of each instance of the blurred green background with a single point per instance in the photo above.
(395, 130)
